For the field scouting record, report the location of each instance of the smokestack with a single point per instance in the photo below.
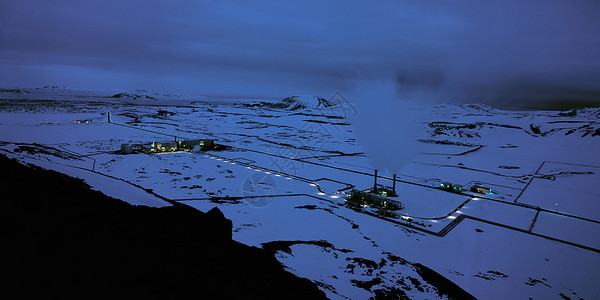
(109, 117)
(394, 184)
(375, 183)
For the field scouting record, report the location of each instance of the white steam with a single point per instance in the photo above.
(386, 126)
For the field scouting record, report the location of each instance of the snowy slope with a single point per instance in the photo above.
(283, 180)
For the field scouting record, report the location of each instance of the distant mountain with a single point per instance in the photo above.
(132, 96)
(15, 91)
(294, 103)
(477, 107)
(587, 112)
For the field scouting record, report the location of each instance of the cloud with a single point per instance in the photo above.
(384, 55)
(522, 53)
(474, 51)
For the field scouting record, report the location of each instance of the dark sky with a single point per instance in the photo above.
(502, 52)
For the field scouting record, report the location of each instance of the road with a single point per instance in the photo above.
(440, 233)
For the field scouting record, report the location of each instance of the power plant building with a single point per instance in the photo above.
(169, 146)
(165, 146)
(148, 149)
(481, 189)
(190, 144)
(126, 148)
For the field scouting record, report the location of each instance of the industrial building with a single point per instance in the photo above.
(165, 146)
(377, 197)
(383, 190)
(450, 187)
(190, 144)
(148, 149)
(481, 189)
(126, 148)
(168, 146)
(385, 206)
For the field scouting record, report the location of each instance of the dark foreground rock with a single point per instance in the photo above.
(62, 239)
(442, 284)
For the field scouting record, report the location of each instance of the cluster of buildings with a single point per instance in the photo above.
(457, 188)
(384, 206)
(169, 146)
(380, 198)
(383, 200)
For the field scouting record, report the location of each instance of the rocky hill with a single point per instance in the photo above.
(293, 103)
(132, 96)
(62, 239)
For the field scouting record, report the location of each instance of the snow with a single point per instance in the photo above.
(571, 189)
(510, 215)
(110, 186)
(290, 166)
(570, 229)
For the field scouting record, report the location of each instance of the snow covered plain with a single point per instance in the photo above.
(280, 181)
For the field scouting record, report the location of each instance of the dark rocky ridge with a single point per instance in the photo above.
(132, 96)
(292, 103)
(62, 239)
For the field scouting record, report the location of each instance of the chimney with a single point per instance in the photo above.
(394, 184)
(109, 117)
(375, 183)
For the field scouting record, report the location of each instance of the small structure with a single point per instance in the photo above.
(386, 191)
(479, 189)
(383, 190)
(384, 205)
(191, 144)
(457, 188)
(447, 186)
(170, 146)
(197, 149)
(207, 143)
(165, 146)
(147, 149)
(126, 148)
